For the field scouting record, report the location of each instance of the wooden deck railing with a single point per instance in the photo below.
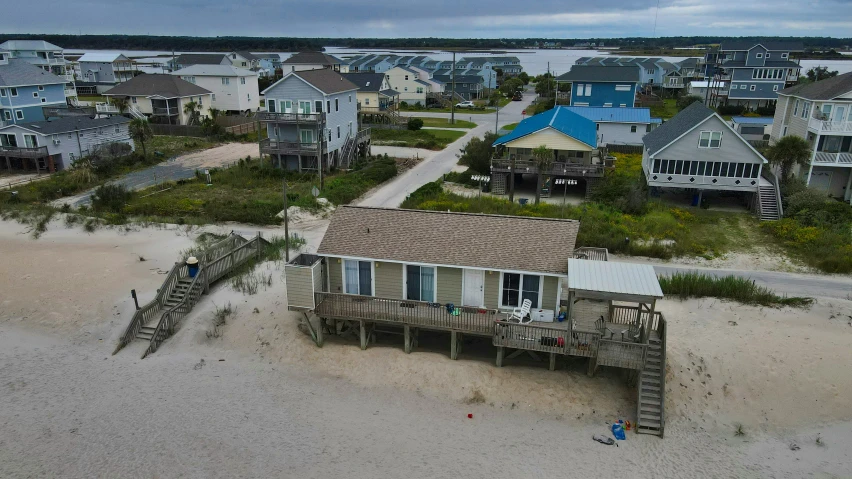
(414, 313)
(557, 168)
(149, 311)
(545, 338)
(207, 274)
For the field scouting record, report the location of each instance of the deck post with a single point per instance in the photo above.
(407, 334)
(205, 272)
(500, 352)
(320, 332)
(454, 345)
(363, 334)
(552, 361)
(593, 365)
(258, 245)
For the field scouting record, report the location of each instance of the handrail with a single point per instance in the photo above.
(139, 317)
(778, 196)
(662, 333)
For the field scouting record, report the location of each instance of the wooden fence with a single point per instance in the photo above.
(611, 148)
(237, 125)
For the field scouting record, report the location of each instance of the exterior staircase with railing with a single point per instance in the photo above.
(651, 395)
(155, 322)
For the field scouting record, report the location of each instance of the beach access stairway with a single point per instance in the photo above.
(156, 321)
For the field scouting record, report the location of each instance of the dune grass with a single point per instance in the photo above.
(428, 139)
(735, 288)
(445, 123)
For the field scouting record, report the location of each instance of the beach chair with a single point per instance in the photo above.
(522, 314)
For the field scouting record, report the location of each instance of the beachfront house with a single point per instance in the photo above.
(571, 137)
(602, 86)
(26, 89)
(310, 61)
(102, 71)
(699, 153)
(46, 56)
(312, 121)
(821, 113)
(233, 90)
(48, 146)
(407, 82)
(754, 71)
(162, 98)
(380, 271)
(618, 126)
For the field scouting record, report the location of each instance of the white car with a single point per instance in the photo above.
(465, 104)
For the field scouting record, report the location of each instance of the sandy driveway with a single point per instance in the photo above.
(177, 168)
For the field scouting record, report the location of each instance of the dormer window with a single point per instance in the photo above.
(710, 139)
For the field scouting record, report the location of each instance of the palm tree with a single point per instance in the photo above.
(191, 109)
(121, 104)
(140, 131)
(788, 152)
(214, 112)
(544, 159)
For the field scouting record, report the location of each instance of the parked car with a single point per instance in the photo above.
(518, 96)
(465, 104)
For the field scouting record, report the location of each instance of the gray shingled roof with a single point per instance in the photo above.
(389, 92)
(38, 45)
(601, 74)
(71, 123)
(671, 130)
(772, 45)
(247, 55)
(20, 73)
(766, 64)
(516, 243)
(326, 80)
(187, 59)
(312, 58)
(371, 82)
(827, 89)
(166, 86)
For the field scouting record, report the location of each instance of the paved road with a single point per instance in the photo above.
(394, 193)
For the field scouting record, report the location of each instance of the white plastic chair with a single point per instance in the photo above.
(522, 314)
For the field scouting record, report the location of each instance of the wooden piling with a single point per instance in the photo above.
(407, 334)
(593, 366)
(321, 332)
(500, 353)
(454, 345)
(552, 361)
(363, 334)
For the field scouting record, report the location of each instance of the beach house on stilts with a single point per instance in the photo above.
(517, 281)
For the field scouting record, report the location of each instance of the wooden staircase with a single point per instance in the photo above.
(173, 298)
(498, 183)
(768, 203)
(652, 386)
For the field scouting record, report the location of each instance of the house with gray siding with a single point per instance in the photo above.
(105, 70)
(311, 61)
(821, 113)
(45, 55)
(48, 146)
(754, 72)
(698, 152)
(25, 90)
(312, 121)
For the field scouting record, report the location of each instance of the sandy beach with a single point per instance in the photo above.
(262, 400)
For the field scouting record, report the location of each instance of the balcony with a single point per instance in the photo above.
(820, 125)
(70, 91)
(291, 117)
(18, 152)
(168, 111)
(277, 147)
(106, 108)
(824, 158)
(557, 168)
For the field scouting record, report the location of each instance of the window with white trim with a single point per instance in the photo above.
(420, 283)
(226, 81)
(785, 55)
(40, 88)
(752, 88)
(774, 87)
(19, 114)
(13, 91)
(8, 114)
(632, 128)
(759, 55)
(710, 139)
(2, 92)
(607, 105)
(622, 88)
(517, 287)
(242, 80)
(358, 277)
(796, 108)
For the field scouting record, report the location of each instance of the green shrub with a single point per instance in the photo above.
(415, 124)
(730, 109)
(736, 288)
(111, 198)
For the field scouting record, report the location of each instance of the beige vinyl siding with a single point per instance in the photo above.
(300, 292)
(548, 293)
(782, 115)
(335, 275)
(319, 280)
(492, 289)
(449, 285)
(388, 280)
(552, 138)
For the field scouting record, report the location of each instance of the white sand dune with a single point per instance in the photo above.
(278, 406)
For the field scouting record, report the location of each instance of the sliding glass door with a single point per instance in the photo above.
(358, 277)
(420, 283)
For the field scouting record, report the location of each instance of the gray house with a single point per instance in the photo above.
(189, 59)
(697, 152)
(53, 145)
(312, 115)
(105, 70)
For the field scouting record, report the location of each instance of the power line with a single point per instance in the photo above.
(656, 15)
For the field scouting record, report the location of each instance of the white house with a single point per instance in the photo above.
(618, 126)
(407, 82)
(700, 87)
(233, 89)
(310, 61)
(162, 98)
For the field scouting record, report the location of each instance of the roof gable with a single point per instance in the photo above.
(667, 133)
(491, 242)
(591, 73)
(560, 119)
(323, 80)
(160, 85)
(21, 73)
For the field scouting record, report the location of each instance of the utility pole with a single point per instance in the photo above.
(496, 121)
(319, 160)
(453, 96)
(286, 227)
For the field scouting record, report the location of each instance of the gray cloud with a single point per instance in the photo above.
(438, 18)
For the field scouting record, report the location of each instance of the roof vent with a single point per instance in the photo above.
(368, 84)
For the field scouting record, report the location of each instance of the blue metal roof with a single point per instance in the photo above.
(657, 120)
(560, 119)
(752, 120)
(616, 115)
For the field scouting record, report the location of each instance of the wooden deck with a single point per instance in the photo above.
(608, 342)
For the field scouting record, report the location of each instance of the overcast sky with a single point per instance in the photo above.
(435, 18)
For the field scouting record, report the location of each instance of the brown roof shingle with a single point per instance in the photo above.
(326, 80)
(515, 243)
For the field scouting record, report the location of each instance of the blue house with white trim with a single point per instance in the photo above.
(25, 89)
(572, 138)
(603, 86)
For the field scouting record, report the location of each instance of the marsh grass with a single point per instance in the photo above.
(735, 288)
(220, 318)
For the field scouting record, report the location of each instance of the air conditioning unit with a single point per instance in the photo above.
(56, 142)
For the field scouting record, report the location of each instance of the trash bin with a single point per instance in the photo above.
(523, 201)
(192, 266)
(695, 199)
